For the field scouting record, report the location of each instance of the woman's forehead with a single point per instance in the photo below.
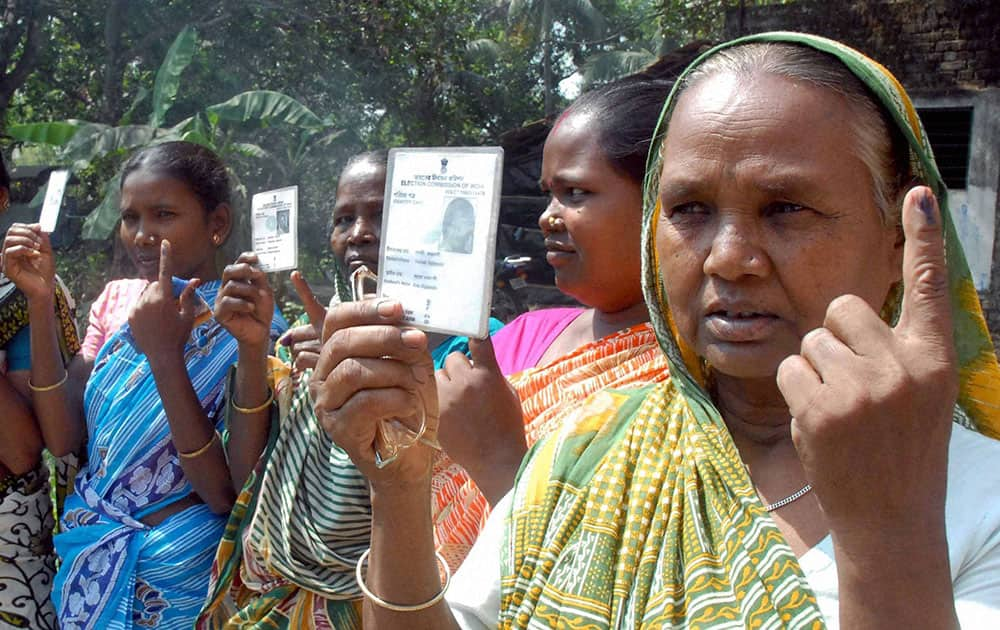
(769, 123)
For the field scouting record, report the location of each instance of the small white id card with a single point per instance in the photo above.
(439, 225)
(274, 216)
(54, 192)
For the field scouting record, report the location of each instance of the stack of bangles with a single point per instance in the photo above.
(378, 601)
(49, 388)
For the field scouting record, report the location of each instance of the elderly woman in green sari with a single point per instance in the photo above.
(824, 451)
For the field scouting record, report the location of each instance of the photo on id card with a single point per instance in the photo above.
(439, 225)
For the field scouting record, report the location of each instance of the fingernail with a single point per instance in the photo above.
(412, 338)
(262, 293)
(285, 341)
(926, 205)
(386, 308)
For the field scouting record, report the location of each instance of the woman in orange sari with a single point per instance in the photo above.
(593, 166)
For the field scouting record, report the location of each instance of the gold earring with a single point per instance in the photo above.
(215, 239)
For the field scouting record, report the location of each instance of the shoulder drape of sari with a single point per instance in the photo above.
(640, 514)
(549, 394)
(117, 571)
(14, 316)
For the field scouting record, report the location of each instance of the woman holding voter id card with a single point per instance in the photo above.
(287, 557)
(27, 559)
(139, 533)
(593, 165)
(824, 451)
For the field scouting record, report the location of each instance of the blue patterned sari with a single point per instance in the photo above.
(118, 573)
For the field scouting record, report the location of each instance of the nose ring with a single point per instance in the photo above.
(555, 222)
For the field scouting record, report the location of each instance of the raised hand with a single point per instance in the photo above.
(160, 323)
(370, 369)
(245, 304)
(872, 405)
(28, 260)
(304, 341)
(482, 427)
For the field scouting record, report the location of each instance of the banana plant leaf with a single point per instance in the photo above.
(168, 77)
(266, 108)
(102, 220)
(96, 140)
(55, 133)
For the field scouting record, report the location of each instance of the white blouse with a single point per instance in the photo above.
(972, 518)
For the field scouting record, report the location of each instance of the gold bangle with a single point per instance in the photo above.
(200, 451)
(378, 601)
(261, 407)
(49, 388)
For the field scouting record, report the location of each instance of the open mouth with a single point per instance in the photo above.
(739, 325)
(552, 245)
(357, 262)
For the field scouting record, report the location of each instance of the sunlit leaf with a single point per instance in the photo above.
(55, 133)
(265, 107)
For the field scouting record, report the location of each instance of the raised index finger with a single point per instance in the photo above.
(315, 310)
(166, 267)
(926, 309)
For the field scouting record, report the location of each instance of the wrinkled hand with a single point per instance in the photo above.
(482, 427)
(28, 260)
(245, 304)
(371, 369)
(303, 341)
(872, 405)
(160, 323)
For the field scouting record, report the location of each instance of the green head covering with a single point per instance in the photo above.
(979, 401)
(640, 513)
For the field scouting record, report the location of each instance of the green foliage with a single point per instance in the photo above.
(287, 91)
(168, 77)
(91, 141)
(54, 133)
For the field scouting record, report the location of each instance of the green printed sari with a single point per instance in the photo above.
(641, 514)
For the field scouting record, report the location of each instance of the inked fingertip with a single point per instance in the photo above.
(285, 340)
(927, 206)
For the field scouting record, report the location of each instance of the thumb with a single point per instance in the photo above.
(482, 354)
(926, 309)
(315, 310)
(185, 302)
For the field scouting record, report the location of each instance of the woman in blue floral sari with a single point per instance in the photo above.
(140, 532)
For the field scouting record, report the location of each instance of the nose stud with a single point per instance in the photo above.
(556, 223)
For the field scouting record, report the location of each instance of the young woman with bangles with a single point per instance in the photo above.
(149, 508)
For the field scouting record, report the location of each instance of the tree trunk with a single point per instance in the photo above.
(12, 77)
(547, 56)
(111, 85)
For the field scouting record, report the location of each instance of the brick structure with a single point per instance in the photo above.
(947, 55)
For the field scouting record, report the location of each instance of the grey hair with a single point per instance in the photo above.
(880, 145)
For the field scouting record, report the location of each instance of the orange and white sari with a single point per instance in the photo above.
(625, 359)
